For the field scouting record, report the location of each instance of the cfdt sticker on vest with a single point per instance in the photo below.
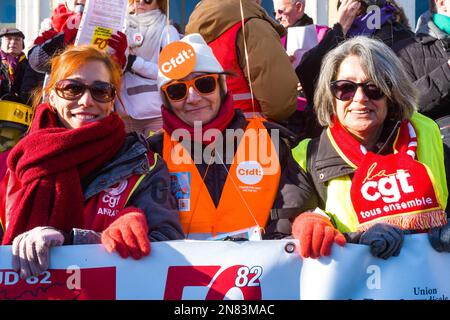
(177, 60)
(180, 186)
(249, 172)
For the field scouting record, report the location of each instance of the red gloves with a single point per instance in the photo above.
(316, 235)
(128, 235)
(120, 44)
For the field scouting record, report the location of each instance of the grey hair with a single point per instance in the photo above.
(381, 66)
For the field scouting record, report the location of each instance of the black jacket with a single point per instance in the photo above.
(426, 61)
(291, 187)
(14, 88)
(309, 68)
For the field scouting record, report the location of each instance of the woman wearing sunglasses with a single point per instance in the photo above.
(388, 23)
(147, 34)
(221, 186)
(378, 167)
(77, 178)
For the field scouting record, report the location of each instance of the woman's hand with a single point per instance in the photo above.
(128, 235)
(316, 235)
(440, 238)
(347, 13)
(30, 250)
(385, 240)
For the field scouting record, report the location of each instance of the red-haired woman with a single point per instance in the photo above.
(77, 174)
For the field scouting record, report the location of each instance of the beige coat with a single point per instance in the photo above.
(274, 81)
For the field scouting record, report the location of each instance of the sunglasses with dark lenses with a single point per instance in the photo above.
(345, 90)
(71, 89)
(177, 91)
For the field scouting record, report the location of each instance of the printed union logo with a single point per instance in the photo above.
(117, 190)
(177, 60)
(249, 172)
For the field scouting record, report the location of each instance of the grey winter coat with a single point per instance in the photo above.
(153, 194)
(426, 61)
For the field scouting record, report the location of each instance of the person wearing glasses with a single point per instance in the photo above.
(291, 13)
(77, 178)
(379, 168)
(355, 17)
(223, 187)
(147, 33)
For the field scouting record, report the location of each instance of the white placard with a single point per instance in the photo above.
(101, 19)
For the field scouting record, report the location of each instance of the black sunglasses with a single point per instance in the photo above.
(345, 90)
(71, 89)
(148, 1)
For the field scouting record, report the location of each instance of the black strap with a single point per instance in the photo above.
(285, 213)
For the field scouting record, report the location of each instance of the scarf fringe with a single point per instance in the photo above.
(418, 221)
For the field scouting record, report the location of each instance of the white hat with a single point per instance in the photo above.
(205, 60)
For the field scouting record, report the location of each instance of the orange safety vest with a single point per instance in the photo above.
(250, 188)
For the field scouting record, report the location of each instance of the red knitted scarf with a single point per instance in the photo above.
(49, 164)
(393, 188)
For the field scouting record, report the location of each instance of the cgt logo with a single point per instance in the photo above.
(388, 187)
(249, 172)
(220, 283)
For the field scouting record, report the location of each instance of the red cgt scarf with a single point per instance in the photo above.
(393, 188)
(49, 164)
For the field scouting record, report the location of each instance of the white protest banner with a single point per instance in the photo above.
(101, 18)
(300, 40)
(175, 270)
(419, 272)
(221, 270)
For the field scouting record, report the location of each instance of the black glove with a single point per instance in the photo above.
(131, 60)
(384, 240)
(440, 238)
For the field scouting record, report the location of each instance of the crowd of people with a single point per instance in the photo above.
(343, 148)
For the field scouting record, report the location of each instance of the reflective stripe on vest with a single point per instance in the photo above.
(224, 48)
(430, 153)
(251, 186)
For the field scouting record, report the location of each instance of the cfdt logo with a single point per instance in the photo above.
(249, 172)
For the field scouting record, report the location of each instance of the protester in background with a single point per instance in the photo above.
(65, 21)
(13, 64)
(427, 60)
(291, 13)
(76, 178)
(378, 168)
(353, 20)
(219, 22)
(147, 34)
(14, 121)
(228, 188)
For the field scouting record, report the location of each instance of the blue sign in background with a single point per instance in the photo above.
(8, 11)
